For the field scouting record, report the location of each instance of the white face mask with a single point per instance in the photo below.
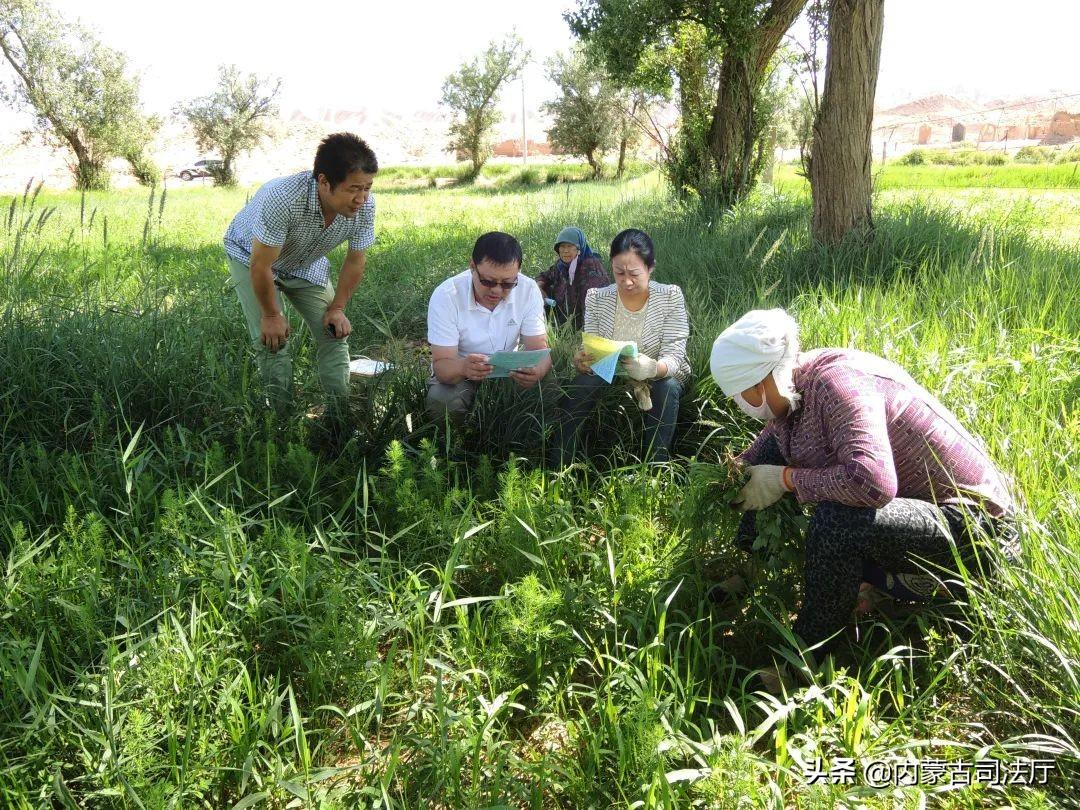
(762, 412)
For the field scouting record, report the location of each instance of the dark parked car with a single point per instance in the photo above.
(200, 168)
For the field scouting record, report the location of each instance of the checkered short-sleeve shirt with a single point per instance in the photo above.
(285, 213)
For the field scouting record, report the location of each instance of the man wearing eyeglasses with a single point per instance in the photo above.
(490, 307)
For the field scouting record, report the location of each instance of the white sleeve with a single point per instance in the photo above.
(532, 318)
(442, 325)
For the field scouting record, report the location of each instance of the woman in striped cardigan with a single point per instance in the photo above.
(653, 316)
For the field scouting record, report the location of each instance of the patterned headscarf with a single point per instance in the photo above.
(574, 236)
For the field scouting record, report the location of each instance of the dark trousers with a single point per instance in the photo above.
(844, 543)
(580, 399)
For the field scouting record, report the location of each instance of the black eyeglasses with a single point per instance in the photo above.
(491, 283)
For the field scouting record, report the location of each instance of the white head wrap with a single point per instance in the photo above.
(761, 342)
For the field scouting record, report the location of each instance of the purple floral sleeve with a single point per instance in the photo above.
(852, 421)
(754, 454)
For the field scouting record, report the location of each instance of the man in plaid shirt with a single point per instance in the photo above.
(277, 246)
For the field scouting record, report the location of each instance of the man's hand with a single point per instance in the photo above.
(765, 487)
(641, 367)
(525, 377)
(583, 362)
(477, 367)
(275, 331)
(336, 316)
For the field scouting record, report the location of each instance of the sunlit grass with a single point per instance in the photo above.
(1023, 176)
(197, 608)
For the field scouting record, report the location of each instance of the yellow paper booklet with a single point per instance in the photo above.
(605, 353)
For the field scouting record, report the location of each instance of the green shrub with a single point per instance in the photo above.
(1070, 155)
(1034, 154)
(528, 177)
(952, 157)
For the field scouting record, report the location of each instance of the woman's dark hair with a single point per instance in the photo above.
(341, 154)
(498, 248)
(637, 241)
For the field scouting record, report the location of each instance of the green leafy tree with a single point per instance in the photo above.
(81, 92)
(233, 119)
(472, 94)
(717, 56)
(137, 136)
(586, 117)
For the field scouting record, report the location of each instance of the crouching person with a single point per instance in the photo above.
(899, 487)
(488, 308)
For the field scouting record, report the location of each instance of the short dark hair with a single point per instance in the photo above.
(636, 240)
(341, 154)
(497, 247)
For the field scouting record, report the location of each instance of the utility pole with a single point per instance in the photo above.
(524, 138)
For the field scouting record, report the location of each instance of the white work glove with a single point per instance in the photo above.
(641, 394)
(765, 487)
(641, 367)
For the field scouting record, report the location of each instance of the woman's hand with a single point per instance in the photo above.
(583, 362)
(765, 487)
(641, 367)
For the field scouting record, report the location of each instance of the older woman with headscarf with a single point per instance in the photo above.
(898, 485)
(576, 271)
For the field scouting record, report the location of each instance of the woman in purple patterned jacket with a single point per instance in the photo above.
(896, 482)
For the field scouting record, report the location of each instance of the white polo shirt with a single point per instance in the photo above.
(456, 319)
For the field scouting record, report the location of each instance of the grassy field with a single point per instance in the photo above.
(199, 609)
(896, 175)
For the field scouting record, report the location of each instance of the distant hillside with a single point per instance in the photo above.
(932, 105)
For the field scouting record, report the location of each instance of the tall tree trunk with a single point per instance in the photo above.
(732, 135)
(226, 176)
(626, 132)
(476, 156)
(622, 156)
(143, 168)
(90, 173)
(590, 156)
(840, 178)
(690, 165)
(735, 127)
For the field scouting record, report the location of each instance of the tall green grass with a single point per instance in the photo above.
(198, 608)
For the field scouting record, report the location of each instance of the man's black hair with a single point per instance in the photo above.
(341, 154)
(497, 247)
(637, 241)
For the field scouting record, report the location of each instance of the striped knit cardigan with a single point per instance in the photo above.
(666, 328)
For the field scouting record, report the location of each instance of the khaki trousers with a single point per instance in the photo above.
(311, 301)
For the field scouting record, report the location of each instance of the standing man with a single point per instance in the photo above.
(277, 245)
(491, 307)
